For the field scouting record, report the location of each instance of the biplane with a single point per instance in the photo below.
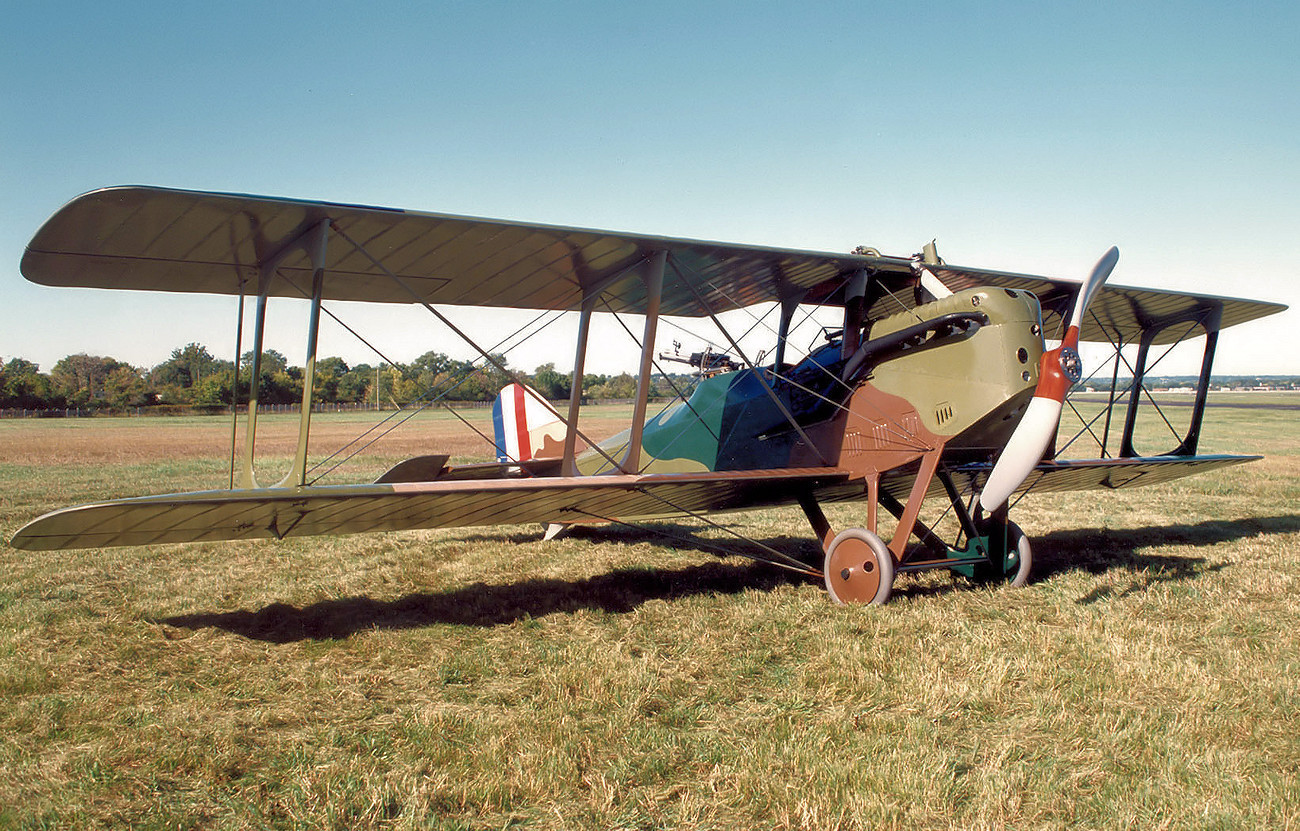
(935, 384)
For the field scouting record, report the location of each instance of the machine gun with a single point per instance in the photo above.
(707, 362)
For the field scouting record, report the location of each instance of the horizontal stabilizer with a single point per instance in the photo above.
(418, 469)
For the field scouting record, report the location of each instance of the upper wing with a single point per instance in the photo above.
(159, 239)
(345, 509)
(1118, 314)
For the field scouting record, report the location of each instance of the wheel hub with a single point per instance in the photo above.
(857, 572)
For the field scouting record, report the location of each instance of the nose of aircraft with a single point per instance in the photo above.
(1059, 370)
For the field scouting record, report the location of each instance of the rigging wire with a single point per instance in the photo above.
(1128, 389)
(900, 432)
(778, 559)
(417, 297)
(685, 396)
(478, 372)
(904, 436)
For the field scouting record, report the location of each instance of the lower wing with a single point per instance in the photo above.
(1102, 474)
(398, 506)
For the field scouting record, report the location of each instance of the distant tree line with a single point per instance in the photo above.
(193, 376)
(1219, 382)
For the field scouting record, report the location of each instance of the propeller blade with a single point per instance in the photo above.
(1058, 370)
(1025, 447)
(1095, 281)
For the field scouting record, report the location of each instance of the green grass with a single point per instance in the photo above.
(1149, 676)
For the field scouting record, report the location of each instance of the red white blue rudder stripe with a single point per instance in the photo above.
(525, 425)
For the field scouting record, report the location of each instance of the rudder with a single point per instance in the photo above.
(525, 426)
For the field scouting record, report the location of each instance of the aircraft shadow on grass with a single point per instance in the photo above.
(1095, 550)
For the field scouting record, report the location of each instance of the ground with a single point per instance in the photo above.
(480, 678)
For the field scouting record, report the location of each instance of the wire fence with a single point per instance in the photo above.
(224, 410)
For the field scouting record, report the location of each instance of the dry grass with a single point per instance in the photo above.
(1147, 678)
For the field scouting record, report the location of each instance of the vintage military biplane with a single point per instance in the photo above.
(935, 384)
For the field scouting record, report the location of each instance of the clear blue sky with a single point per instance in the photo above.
(1023, 137)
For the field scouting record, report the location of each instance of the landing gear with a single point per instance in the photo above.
(859, 568)
(1010, 556)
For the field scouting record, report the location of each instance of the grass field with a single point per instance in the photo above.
(1149, 676)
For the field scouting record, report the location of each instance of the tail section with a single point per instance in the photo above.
(526, 426)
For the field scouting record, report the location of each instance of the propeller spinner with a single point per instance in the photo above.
(1058, 370)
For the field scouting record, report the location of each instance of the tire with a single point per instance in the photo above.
(858, 568)
(1016, 562)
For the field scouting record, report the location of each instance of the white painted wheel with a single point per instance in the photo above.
(1017, 561)
(1018, 546)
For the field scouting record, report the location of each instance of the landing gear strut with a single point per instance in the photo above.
(859, 568)
(1010, 556)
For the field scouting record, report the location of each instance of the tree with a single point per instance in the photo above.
(175, 379)
(390, 382)
(329, 374)
(357, 385)
(20, 366)
(277, 382)
(80, 378)
(125, 387)
(272, 361)
(23, 385)
(187, 366)
(332, 366)
(214, 389)
(550, 383)
(494, 379)
(620, 386)
(427, 376)
(433, 363)
(670, 386)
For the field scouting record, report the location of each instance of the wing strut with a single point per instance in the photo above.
(569, 466)
(654, 281)
(1210, 321)
(299, 471)
(234, 384)
(590, 297)
(313, 241)
(789, 305)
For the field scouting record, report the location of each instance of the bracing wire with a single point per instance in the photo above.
(425, 404)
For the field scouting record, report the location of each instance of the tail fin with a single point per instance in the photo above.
(526, 426)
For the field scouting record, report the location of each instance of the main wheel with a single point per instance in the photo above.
(1015, 561)
(859, 568)
(1020, 556)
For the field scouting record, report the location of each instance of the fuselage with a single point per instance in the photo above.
(967, 383)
